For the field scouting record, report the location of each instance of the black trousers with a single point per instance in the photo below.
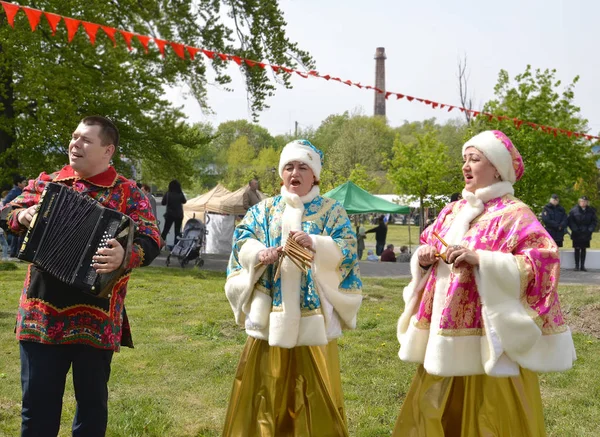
(579, 257)
(169, 221)
(43, 375)
(379, 246)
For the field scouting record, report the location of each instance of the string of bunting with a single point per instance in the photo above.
(91, 29)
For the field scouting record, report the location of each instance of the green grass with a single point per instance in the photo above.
(177, 380)
(398, 236)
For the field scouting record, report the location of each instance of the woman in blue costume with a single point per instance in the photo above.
(288, 378)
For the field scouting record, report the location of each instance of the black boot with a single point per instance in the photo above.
(583, 260)
(577, 253)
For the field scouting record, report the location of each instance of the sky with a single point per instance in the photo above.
(423, 41)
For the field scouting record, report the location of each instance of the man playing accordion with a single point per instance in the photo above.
(59, 326)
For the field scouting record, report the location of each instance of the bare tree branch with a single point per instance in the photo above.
(463, 88)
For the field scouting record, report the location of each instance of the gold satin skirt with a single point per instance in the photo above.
(472, 406)
(287, 392)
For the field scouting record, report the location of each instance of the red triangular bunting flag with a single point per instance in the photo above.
(410, 98)
(236, 59)
(569, 133)
(53, 21)
(517, 123)
(144, 40)
(326, 77)
(304, 75)
(222, 56)
(91, 29)
(450, 108)
(110, 32)
(379, 90)
(276, 69)
(420, 100)
(475, 113)
(427, 102)
(72, 26)
(10, 10)
(179, 49)
(262, 65)
(462, 109)
(127, 36)
(209, 54)
(434, 104)
(33, 15)
(249, 63)
(532, 125)
(399, 96)
(349, 83)
(289, 70)
(442, 105)
(369, 87)
(387, 94)
(358, 85)
(589, 137)
(313, 73)
(576, 135)
(192, 52)
(490, 117)
(161, 43)
(554, 131)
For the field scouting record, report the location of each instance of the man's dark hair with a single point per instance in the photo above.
(109, 134)
(17, 179)
(146, 187)
(390, 246)
(253, 179)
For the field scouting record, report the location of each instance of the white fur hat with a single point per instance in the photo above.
(501, 152)
(303, 151)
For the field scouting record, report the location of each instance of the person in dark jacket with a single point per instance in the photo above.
(582, 222)
(380, 235)
(174, 200)
(388, 254)
(554, 219)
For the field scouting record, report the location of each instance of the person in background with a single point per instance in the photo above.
(173, 200)
(555, 220)
(388, 254)
(380, 235)
(455, 196)
(288, 380)
(251, 195)
(361, 236)
(19, 182)
(482, 316)
(582, 222)
(4, 245)
(371, 256)
(148, 192)
(403, 256)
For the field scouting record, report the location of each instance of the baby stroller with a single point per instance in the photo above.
(191, 244)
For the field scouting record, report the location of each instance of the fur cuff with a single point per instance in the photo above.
(239, 286)
(283, 329)
(312, 331)
(260, 308)
(509, 327)
(326, 271)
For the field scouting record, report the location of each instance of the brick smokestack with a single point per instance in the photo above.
(380, 80)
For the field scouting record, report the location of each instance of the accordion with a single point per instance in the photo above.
(67, 231)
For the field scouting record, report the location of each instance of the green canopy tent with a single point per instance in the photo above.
(358, 201)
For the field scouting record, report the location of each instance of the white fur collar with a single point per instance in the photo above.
(296, 201)
(474, 207)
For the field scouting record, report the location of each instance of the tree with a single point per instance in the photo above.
(47, 85)
(466, 101)
(553, 164)
(240, 157)
(361, 177)
(420, 168)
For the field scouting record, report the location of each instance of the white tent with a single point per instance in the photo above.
(220, 206)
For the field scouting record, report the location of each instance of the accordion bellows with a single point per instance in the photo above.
(67, 231)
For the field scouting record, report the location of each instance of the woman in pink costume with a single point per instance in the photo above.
(482, 314)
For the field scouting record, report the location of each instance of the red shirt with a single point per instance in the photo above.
(388, 255)
(51, 311)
